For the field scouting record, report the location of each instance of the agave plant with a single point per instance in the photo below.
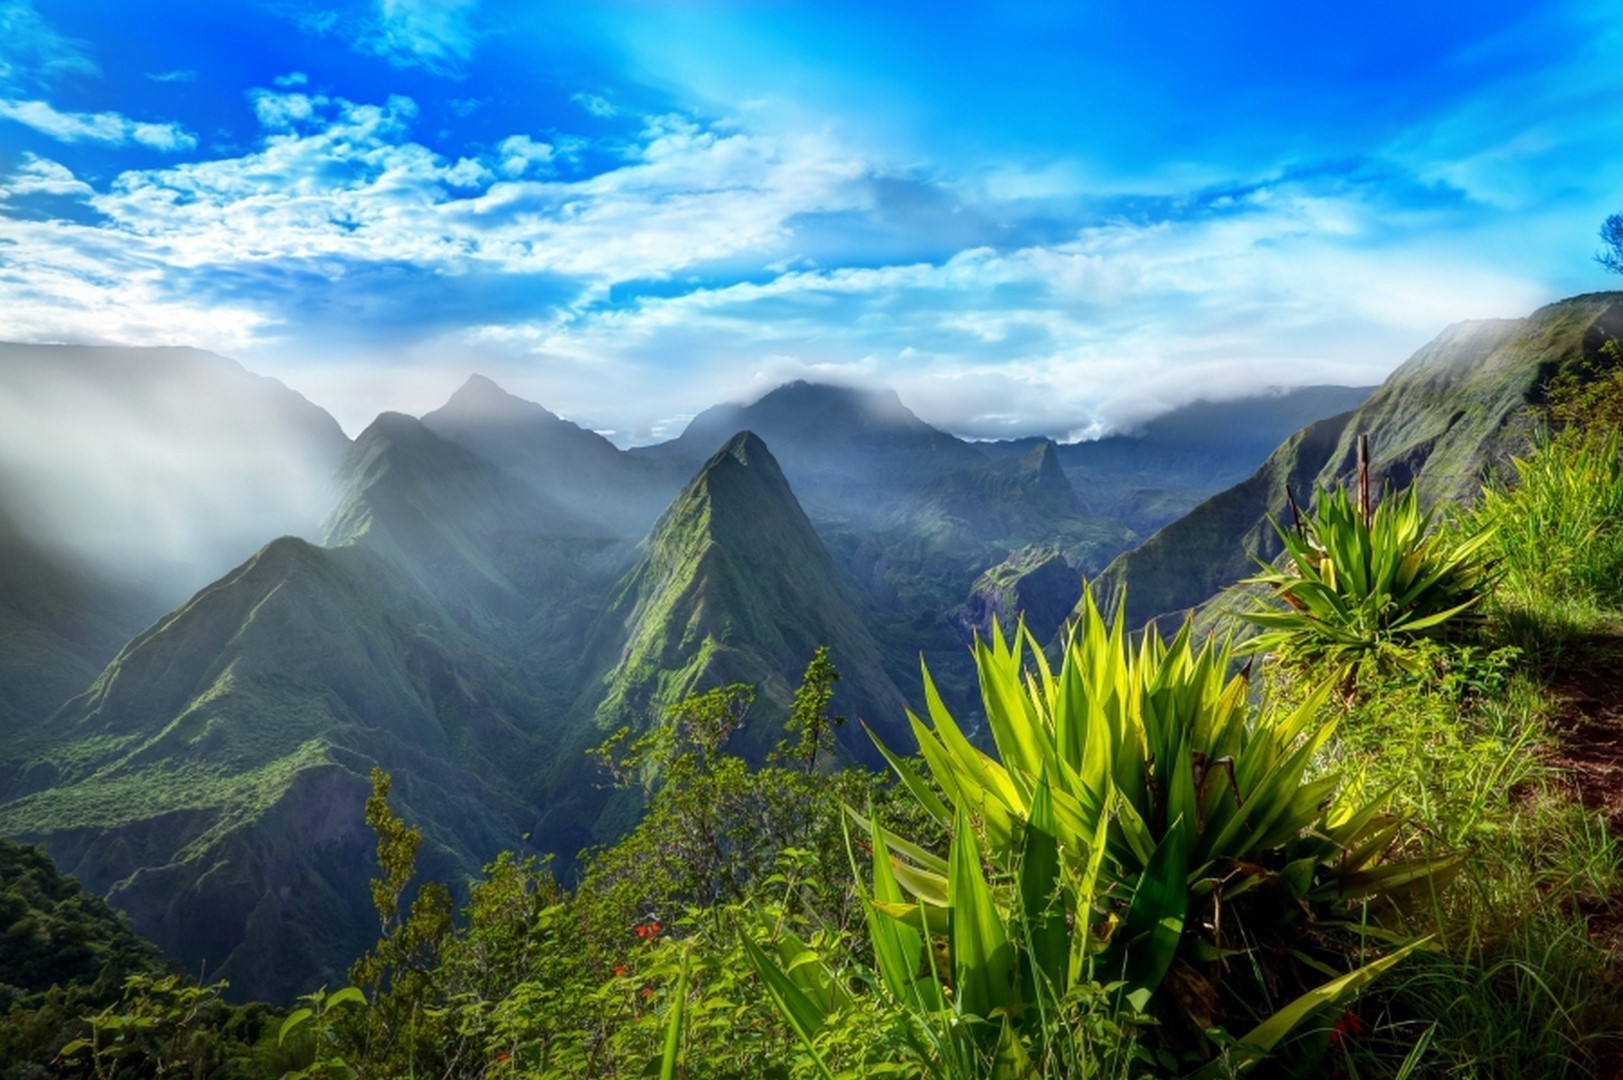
(1140, 825)
(1356, 580)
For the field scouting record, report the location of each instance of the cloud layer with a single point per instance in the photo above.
(629, 255)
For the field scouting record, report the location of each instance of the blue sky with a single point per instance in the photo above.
(1025, 217)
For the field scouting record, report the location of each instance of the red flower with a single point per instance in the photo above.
(503, 1056)
(619, 969)
(1348, 1027)
(647, 992)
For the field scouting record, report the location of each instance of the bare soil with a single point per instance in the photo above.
(1589, 751)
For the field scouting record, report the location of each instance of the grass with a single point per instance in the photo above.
(1520, 986)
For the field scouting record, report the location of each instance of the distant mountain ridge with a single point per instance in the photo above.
(1155, 474)
(1448, 418)
(565, 463)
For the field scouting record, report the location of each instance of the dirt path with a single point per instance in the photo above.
(1590, 729)
(1589, 750)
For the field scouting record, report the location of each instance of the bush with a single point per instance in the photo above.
(1358, 581)
(1140, 828)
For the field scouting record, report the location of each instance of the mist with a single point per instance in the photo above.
(158, 468)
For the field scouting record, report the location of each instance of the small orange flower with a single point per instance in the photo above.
(647, 992)
(503, 1056)
(619, 969)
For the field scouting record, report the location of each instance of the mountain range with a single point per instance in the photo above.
(473, 598)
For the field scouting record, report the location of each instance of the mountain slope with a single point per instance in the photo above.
(568, 465)
(211, 781)
(734, 586)
(60, 622)
(1449, 416)
(479, 539)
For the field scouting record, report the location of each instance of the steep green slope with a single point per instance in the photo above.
(210, 782)
(568, 465)
(1453, 413)
(477, 538)
(734, 585)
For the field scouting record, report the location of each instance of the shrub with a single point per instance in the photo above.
(1358, 581)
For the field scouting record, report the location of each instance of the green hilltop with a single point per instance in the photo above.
(734, 586)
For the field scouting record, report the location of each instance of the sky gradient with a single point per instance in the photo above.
(1027, 218)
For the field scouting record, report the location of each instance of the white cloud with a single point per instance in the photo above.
(64, 283)
(435, 35)
(335, 179)
(599, 106)
(519, 153)
(183, 75)
(291, 79)
(104, 127)
(41, 176)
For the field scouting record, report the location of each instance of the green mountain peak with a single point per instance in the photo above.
(734, 586)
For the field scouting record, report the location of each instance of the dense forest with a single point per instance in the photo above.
(1358, 824)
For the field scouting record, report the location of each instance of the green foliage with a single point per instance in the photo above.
(166, 1025)
(53, 933)
(1558, 531)
(405, 968)
(809, 718)
(1611, 234)
(1141, 826)
(1359, 579)
(315, 1022)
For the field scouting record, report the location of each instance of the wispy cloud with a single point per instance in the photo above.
(33, 54)
(596, 104)
(103, 127)
(436, 35)
(182, 75)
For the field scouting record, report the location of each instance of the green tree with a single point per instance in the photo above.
(809, 717)
(1611, 234)
(402, 971)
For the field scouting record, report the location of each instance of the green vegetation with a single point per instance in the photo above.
(1147, 862)
(1611, 234)
(1362, 582)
